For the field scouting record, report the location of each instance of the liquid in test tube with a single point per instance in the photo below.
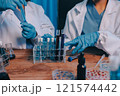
(42, 49)
(48, 49)
(52, 49)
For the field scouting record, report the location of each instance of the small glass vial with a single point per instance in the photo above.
(2, 69)
(10, 50)
(3, 74)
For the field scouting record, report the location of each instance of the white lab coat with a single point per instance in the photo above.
(109, 39)
(11, 31)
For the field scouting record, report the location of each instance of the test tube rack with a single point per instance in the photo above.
(47, 52)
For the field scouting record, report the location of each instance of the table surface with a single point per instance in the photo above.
(22, 67)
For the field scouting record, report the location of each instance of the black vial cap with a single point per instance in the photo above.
(81, 59)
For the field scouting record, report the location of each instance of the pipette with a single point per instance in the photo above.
(20, 13)
(100, 60)
(23, 14)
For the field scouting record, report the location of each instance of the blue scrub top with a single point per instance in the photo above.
(92, 19)
(29, 44)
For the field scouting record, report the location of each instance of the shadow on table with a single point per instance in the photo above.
(90, 50)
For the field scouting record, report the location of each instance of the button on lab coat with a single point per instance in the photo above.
(10, 28)
(109, 39)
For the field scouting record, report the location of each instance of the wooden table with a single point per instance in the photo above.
(22, 68)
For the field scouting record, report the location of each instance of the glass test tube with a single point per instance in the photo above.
(2, 69)
(59, 49)
(52, 56)
(48, 47)
(42, 49)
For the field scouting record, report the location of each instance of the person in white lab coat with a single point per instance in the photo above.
(22, 35)
(94, 23)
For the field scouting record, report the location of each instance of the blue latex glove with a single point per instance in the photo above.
(45, 36)
(28, 31)
(11, 4)
(83, 41)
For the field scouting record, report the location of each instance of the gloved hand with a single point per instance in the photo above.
(11, 4)
(29, 31)
(45, 36)
(83, 41)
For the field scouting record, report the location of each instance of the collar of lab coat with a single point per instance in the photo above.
(81, 10)
(109, 9)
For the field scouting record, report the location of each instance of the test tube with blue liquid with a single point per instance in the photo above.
(48, 48)
(42, 49)
(37, 51)
(52, 57)
(36, 54)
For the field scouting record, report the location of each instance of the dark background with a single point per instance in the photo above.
(63, 7)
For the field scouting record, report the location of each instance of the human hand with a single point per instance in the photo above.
(28, 31)
(12, 4)
(83, 41)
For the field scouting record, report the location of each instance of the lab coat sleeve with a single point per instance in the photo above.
(66, 30)
(108, 42)
(69, 30)
(47, 26)
(45, 23)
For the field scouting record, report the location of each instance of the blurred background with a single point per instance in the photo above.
(56, 10)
